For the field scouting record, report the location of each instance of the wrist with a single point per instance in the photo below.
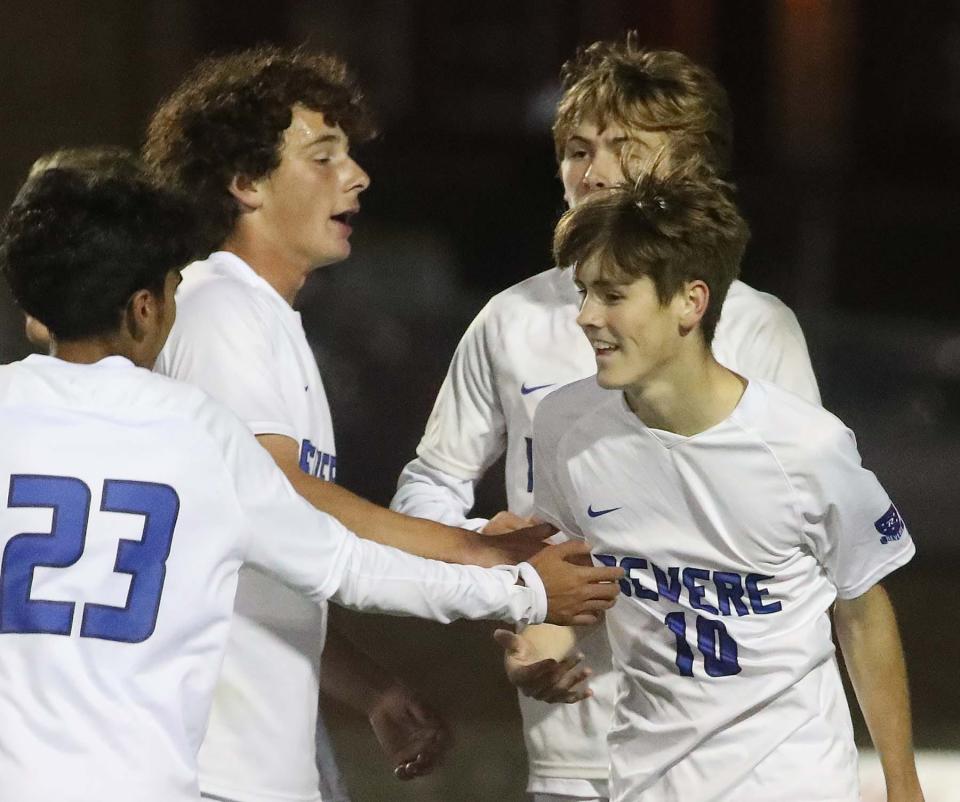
(381, 694)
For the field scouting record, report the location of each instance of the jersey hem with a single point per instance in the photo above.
(214, 789)
(879, 573)
(578, 787)
(567, 771)
(268, 427)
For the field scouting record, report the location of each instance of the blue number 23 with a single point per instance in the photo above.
(144, 560)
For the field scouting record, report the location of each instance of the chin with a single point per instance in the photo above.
(608, 382)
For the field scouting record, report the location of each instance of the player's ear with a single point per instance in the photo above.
(247, 192)
(143, 313)
(695, 297)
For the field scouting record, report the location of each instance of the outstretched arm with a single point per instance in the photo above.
(413, 535)
(870, 642)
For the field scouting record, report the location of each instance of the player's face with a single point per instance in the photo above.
(592, 157)
(634, 336)
(308, 199)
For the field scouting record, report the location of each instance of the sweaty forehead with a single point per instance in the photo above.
(308, 127)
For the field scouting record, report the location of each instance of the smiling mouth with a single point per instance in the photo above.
(602, 348)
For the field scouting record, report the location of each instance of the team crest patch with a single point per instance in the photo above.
(890, 525)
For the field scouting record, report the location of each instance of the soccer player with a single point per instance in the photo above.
(620, 101)
(740, 512)
(261, 141)
(130, 502)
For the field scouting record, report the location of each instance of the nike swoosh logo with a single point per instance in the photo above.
(597, 513)
(524, 390)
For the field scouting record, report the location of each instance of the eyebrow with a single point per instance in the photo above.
(333, 136)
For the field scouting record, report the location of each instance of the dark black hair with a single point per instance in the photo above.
(78, 242)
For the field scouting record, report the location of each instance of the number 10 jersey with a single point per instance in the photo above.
(735, 542)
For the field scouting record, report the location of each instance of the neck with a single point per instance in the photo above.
(692, 395)
(86, 352)
(270, 261)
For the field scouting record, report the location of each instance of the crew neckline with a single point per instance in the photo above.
(671, 439)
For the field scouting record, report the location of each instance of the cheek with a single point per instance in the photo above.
(571, 175)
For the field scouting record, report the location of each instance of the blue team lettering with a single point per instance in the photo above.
(317, 463)
(736, 594)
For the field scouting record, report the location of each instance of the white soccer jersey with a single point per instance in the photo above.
(523, 345)
(238, 339)
(736, 542)
(130, 501)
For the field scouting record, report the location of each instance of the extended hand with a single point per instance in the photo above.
(511, 548)
(576, 593)
(542, 677)
(410, 732)
(504, 522)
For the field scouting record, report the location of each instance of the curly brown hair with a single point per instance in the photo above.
(655, 90)
(674, 228)
(228, 117)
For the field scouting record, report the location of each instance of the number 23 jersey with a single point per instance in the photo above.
(735, 541)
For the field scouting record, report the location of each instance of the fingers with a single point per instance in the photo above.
(603, 591)
(537, 533)
(427, 758)
(564, 683)
(411, 769)
(509, 641)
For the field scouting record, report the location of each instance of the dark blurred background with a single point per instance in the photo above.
(848, 161)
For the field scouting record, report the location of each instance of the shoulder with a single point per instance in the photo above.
(545, 291)
(561, 410)
(803, 436)
(746, 307)
(210, 287)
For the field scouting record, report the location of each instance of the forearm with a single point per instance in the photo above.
(413, 535)
(350, 676)
(375, 578)
(873, 654)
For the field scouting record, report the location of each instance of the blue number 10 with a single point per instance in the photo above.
(144, 560)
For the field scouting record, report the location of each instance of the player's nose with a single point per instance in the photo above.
(589, 316)
(604, 172)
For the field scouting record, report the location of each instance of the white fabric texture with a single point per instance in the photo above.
(237, 339)
(736, 542)
(522, 346)
(93, 716)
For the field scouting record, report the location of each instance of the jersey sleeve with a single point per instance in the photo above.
(314, 553)
(466, 431)
(427, 492)
(776, 351)
(551, 486)
(221, 342)
(853, 528)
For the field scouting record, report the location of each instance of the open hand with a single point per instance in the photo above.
(541, 677)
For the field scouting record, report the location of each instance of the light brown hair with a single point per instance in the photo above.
(674, 228)
(649, 89)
